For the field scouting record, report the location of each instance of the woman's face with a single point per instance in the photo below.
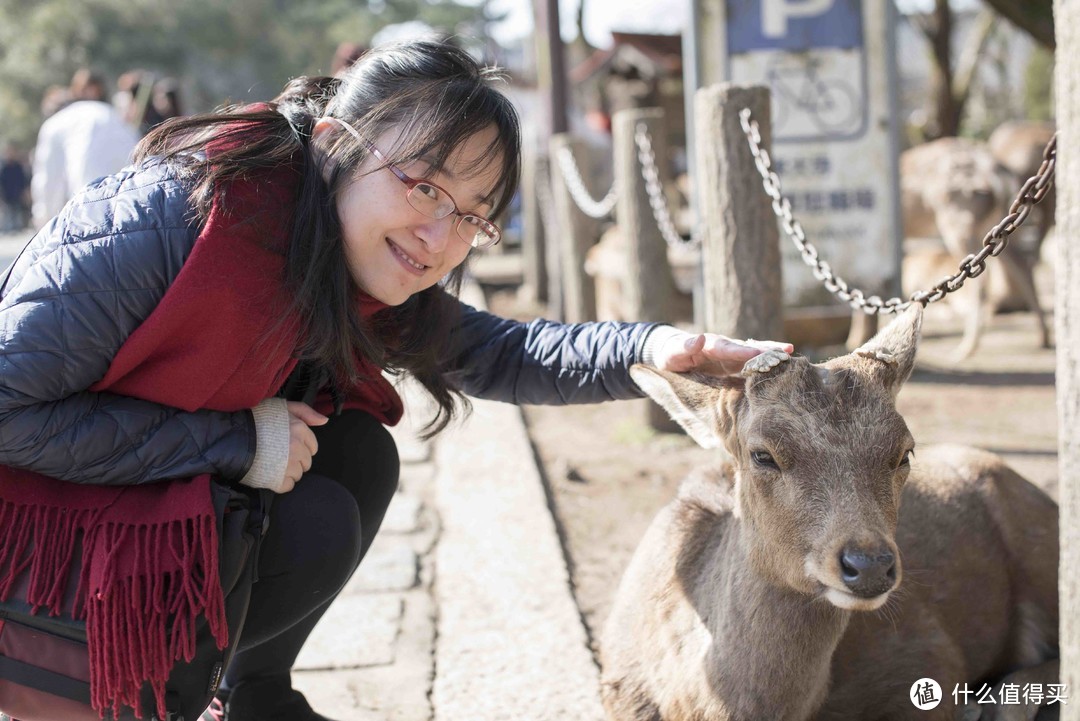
(394, 250)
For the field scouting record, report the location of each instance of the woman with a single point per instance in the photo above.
(285, 255)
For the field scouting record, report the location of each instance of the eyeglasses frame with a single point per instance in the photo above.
(411, 183)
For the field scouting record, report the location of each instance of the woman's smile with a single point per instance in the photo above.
(407, 261)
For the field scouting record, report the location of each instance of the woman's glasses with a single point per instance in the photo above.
(433, 201)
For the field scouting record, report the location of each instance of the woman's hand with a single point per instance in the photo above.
(711, 353)
(302, 443)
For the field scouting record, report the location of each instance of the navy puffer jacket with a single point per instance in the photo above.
(97, 270)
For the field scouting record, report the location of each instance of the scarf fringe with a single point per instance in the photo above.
(142, 614)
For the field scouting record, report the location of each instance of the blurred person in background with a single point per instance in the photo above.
(54, 99)
(345, 55)
(166, 100)
(85, 140)
(14, 182)
(133, 99)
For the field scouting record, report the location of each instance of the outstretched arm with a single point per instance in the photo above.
(544, 362)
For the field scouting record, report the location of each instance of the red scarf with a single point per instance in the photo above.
(151, 551)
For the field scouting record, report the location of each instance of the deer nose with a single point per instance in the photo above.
(868, 574)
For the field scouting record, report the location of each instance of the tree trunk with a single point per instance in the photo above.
(967, 65)
(945, 112)
(948, 114)
(1067, 315)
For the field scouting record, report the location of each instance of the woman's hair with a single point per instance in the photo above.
(439, 97)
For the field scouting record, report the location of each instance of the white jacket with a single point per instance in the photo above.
(81, 143)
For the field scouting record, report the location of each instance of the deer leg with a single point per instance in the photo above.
(973, 326)
(1021, 273)
(1045, 673)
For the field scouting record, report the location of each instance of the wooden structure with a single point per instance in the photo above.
(1067, 320)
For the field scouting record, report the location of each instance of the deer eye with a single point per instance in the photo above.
(906, 460)
(763, 459)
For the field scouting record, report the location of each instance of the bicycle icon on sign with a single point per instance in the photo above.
(831, 105)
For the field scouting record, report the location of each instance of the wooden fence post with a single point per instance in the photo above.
(740, 239)
(533, 257)
(648, 289)
(576, 233)
(1067, 331)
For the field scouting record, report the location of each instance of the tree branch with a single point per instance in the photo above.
(1035, 17)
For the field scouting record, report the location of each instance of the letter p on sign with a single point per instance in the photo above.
(775, 14)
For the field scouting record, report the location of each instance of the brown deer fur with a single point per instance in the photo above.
(735, 606)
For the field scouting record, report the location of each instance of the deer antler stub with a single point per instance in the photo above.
(764, 362)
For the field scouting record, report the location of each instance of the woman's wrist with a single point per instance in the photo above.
(271, 445)
(657, 337)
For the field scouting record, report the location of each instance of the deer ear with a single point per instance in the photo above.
(692, 400)
(894, 347)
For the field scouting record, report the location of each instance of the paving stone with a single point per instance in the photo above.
(416, 478)
(411, 450)
(511, 640)
(337, 694)
(356, 631)
(403, 516)
(390, 565)
(397, 691)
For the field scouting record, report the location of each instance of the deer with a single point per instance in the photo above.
(818, 570)
(1017, 146)
(955, 189)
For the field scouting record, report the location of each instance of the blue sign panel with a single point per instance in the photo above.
(793, 25)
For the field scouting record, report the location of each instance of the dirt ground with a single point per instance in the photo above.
(608, 473)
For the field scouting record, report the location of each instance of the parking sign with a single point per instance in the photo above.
(830, 69)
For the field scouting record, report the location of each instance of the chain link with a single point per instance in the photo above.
(580, 194)
(655, 191)
(995, 241)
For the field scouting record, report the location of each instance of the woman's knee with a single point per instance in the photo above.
(358, 452)
(316, 530)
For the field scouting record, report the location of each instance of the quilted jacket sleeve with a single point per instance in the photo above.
(85, 282)
(546, 363)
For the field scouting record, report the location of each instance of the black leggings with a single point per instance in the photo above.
(318, 534)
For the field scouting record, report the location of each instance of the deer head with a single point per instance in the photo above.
(968, 192)
(819, 457)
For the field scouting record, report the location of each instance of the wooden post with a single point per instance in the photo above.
(648, 289)
(576, 233)
(552, 251)
(740, 243)
(534, 288)
(551, 65)
(1067, 331)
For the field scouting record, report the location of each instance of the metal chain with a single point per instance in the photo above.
(655, 191)
(576, 185)
(995, 241)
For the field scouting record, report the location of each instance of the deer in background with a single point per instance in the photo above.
(1017, 146)
(953, 188)
(818, 570)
